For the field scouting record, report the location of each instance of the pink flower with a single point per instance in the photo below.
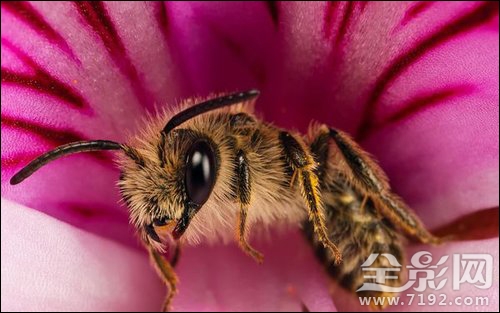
(416, 84)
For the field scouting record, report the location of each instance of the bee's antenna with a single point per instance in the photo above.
(70, 148)
(208, 105)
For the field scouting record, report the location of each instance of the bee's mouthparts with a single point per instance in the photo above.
(150, 230)
(188, 214)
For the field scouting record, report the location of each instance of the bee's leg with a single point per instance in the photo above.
(167, 274)
(395, 210)
(242, 239)
(177, 254)
(303, 166)
(243, 191)
(365, 174)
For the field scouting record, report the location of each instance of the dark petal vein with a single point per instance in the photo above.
(92, 211)
(330, 12)
(96, 16)
(256, 69)
(272, 7)
(53, 136)
(478, 16)
(25, 12)
(415, 10)
(41, 80)
(362, 5)
(344, 24)
(162, 19)
(418, 104)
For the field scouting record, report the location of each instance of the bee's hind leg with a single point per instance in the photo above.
(361, 170)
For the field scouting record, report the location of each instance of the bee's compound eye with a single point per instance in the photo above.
(200, 172)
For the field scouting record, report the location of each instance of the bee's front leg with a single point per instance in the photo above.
(243, 191)
(167, 274)
(177, 254)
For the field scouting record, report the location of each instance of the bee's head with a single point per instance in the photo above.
(165, 177)
(168, 182)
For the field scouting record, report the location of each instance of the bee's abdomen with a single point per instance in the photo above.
(358, 231)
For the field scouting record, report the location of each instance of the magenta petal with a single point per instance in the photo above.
(330, 62)
(49, 265)
(74, 71)
(434, 126)
(415, 82)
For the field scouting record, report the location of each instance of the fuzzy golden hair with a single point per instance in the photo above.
(273, 202)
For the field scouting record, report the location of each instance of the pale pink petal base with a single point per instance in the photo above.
(466, 289)
(223, 278)
(49, 265)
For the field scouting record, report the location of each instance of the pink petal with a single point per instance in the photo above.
(434, 125)
(74, 71)
(325, 69)
(406, 79)
(48, 265)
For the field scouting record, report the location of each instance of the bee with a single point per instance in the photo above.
(212, 171)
